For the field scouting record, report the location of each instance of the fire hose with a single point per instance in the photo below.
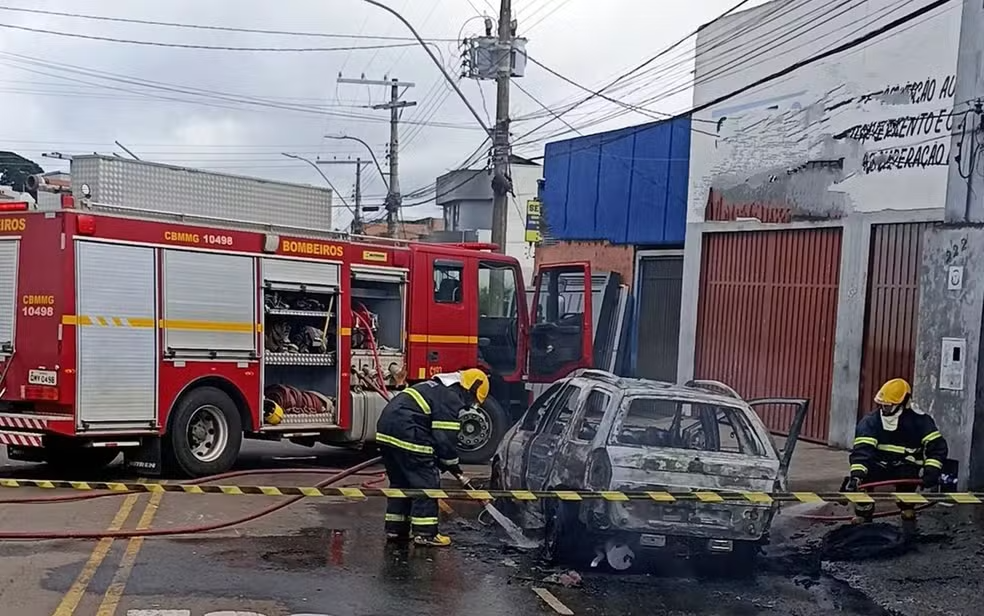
(123, 534)
(881, 514)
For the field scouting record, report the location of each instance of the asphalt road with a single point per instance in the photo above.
(327, 557)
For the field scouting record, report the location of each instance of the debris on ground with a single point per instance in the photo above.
(567, 579)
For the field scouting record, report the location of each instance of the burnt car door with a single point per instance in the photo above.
(800, 408)
(569, 466)
(509, 467)
(539, 457)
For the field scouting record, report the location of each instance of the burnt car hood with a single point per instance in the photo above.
(678, 469)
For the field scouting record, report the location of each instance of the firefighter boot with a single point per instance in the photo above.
(437, 541)
(863, 513)
(909, 528)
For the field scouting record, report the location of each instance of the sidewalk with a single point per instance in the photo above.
(815, 468)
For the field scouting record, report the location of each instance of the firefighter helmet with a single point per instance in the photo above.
(476, 382)
(893, 393)
(273, 413)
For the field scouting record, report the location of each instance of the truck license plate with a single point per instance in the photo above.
(42, 377)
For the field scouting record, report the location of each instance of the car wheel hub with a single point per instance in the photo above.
(476, 429)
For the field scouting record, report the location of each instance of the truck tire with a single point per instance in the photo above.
(481, 431)
(205, 433)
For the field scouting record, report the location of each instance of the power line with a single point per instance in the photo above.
(220, 28)
(887, 28)
(209, 95)
(722, 69)
(109, 39)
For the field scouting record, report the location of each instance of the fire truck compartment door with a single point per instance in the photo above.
(291, 275)
(8, 294)
(116, 300)
(209, 303)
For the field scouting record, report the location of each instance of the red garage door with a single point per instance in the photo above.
(892, 307)
(766, 318)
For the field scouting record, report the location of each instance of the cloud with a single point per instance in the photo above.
(236, 111)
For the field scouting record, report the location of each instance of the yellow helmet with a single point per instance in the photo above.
(475, 381)
(273, 413)
(893, 393)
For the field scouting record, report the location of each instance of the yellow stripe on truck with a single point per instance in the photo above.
(144, 323)
(431, 339)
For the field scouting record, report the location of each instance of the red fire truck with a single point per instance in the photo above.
(172, 336)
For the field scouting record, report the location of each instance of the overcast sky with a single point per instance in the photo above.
(76, 95)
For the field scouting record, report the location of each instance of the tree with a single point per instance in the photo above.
(14, 170)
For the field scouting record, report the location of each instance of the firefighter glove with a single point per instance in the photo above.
(930, 478)
(853, 484)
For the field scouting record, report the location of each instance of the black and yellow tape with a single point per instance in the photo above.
(702, 496)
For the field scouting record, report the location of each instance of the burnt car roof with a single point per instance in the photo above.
(664, 389)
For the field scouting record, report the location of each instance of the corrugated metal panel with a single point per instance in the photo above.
(308, 273)
(209, 302)
(627, 186)
(123, 182)
(117, 352)
(766, 318)
(8, 290)
(892, 307)
(660, 288)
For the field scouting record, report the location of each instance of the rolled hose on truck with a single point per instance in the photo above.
(124, 534)
(881, 514)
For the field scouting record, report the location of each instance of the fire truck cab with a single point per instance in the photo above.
(172, 337)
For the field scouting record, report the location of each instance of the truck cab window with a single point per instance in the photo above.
(558, 331)
(498, 320)
(447, 282)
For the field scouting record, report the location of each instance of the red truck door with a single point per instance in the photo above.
(443, 329)
(561, 339)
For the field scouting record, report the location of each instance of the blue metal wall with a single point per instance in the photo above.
(627, 186)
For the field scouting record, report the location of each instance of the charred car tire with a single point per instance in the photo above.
(481, 431)
(70, 459)
(205, 433)
(563, 533)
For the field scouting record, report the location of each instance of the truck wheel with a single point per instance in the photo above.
(205, 433)
(481, 430)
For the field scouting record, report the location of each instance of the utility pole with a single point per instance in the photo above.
(394, 105)
(501, 181)
(358, 227)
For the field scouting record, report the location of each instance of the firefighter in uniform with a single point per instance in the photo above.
(418, 434)
(895, 442)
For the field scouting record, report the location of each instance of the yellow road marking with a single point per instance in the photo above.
(114, 593)
(75, 593)
(554, 603)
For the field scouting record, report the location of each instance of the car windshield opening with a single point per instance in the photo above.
(679, 424)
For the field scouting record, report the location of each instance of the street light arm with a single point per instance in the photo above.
(440, 66)
(379, 167)
(323, 176)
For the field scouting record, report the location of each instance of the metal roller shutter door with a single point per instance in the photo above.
(766, 318)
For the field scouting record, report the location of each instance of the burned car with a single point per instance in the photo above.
(595, 431)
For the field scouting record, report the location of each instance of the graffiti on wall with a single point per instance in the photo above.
(887, 111)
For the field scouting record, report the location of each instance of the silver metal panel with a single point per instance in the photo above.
(194, 192)
(117, 362)
(209, 302)
(311, 273)
(376, 276)
(8, 291)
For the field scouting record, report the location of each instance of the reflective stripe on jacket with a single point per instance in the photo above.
(423, 419)
(916, 441)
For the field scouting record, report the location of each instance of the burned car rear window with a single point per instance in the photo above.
(681, 424)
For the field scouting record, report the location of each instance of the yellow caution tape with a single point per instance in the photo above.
(699, 496)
